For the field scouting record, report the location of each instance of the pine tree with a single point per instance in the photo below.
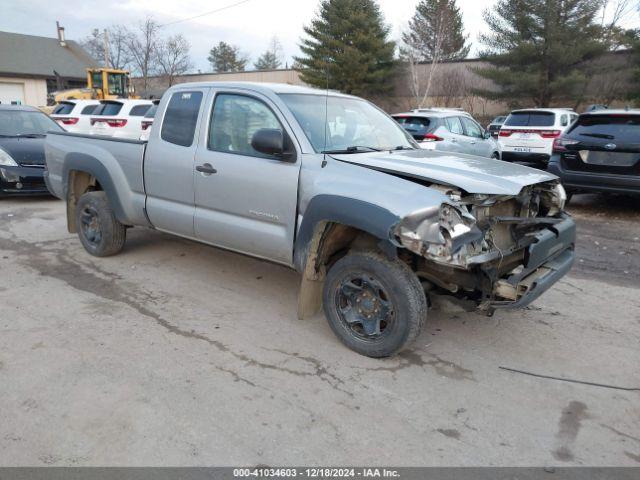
(347, 48)
(271, 58)
(436, 32)
(537, 49)
(226, 58)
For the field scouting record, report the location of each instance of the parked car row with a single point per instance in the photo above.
(448, 130)
(122, 118)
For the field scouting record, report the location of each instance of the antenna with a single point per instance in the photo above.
(326, 105)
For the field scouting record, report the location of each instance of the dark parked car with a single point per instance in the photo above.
(494, 127)
(22, 133)
(600, 153)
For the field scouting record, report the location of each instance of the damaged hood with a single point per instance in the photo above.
(468, 172)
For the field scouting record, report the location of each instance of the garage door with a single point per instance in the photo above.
(11, 92)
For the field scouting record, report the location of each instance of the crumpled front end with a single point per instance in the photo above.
(492, 250)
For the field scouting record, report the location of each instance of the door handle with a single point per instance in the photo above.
(206, 168)
(454, 140)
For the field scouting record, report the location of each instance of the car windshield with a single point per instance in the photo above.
(498, 120)
(624, 128)
(336, 124)
(530, 119)
(15, 123)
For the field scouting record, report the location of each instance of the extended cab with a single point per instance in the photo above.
(330, 185)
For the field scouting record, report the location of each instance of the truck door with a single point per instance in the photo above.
(169, 161)
(245, 200)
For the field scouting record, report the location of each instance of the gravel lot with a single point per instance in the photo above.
(174, 353)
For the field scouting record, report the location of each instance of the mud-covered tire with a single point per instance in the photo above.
(100, 233)
(399, 286)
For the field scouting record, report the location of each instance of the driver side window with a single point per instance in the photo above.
(472, 128)
(454, 125)
(234, 120)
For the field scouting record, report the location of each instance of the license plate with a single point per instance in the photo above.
(522, 149)
(612, 159)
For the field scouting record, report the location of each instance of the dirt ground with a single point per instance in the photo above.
(175, 353)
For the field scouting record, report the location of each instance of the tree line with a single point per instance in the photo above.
(537, 51)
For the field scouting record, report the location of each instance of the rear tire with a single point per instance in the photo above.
(374, 305)
(495, 156)
(100, 233)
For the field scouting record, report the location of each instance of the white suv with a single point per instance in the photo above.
(119, 118)
(529, 134)
(75, 115)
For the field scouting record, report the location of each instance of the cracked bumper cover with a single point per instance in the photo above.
(546, 261)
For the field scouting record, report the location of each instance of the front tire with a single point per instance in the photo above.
(101, 234)
(374, 305)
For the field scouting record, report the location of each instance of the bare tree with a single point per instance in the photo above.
(411, 53)
(173, 57)
(271, 59)
(119, 54)
(142, 44)
(114, 39)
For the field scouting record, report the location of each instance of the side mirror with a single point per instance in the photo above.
(486, 135)
(269, 141)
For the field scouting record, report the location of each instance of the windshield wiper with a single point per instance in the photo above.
(598, 135)
(354, 149)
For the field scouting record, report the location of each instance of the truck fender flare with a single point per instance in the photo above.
(86, 163)
(322, 209)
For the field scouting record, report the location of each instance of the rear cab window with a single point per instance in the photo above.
(530, 119)
(623, 128)
(181, 117)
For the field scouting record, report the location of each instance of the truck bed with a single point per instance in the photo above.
(116, 163)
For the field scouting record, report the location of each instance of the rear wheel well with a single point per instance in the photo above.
(79, 183)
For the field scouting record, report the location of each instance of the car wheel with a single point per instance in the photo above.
(374, 305)
(100, 232)
(495, 155)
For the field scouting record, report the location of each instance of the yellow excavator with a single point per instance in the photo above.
(102, 84)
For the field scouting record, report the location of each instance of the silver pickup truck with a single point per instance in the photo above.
(330, 185)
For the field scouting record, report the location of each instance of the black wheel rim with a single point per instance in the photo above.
(90, 224)
(364, 308)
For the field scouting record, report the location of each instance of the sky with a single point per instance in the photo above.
(250, 25)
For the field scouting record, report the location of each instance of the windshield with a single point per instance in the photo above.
(351, 123)
(21, 122)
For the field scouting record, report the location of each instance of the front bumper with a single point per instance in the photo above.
(546, 261)
(594, 182)
(22, 181)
